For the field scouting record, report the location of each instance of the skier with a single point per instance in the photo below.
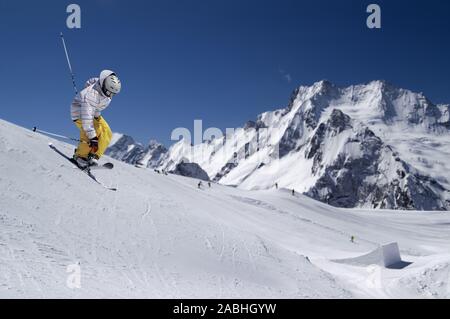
(199, 184)
(293, 192)
(209, 184)
(276, 185)
(86, 108)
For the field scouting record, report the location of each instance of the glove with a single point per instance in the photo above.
(93, 143)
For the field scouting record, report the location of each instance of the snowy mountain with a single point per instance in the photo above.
(124, 148)
(372, 146)
(159, 236)
(364, 171)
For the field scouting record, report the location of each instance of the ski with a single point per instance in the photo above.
(87, 171)
(93, 168)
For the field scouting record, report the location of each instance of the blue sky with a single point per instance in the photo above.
(220, 61)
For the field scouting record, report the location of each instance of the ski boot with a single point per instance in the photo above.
(85, 163)
(81, 162)
(92, 160)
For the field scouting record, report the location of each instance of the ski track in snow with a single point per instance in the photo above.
(148, 209)
(160, 237)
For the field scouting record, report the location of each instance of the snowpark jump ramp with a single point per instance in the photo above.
(387, 256)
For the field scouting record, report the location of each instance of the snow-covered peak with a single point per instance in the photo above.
(356, 168)
(126, 149)
(115, 138)
(154, 144)
(377, 102)
(321, 87)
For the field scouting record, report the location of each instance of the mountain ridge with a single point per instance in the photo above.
(278, 147)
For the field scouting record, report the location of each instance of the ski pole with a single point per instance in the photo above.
(68, 62)
(35, 129)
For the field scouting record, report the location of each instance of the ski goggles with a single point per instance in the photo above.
(107, 93)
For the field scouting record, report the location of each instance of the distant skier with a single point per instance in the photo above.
(293, 192)
(199, 184)
(276, 185)
(352, 239)
(86, 108)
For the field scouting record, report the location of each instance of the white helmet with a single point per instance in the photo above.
(109, 83)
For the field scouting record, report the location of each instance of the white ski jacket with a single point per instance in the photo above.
(89, 103)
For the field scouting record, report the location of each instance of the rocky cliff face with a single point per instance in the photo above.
(126, 149)
(190, 170)
(365, 171)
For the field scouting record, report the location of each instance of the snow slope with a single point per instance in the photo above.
(160, 237)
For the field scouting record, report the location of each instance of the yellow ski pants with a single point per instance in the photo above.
(104, 136)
